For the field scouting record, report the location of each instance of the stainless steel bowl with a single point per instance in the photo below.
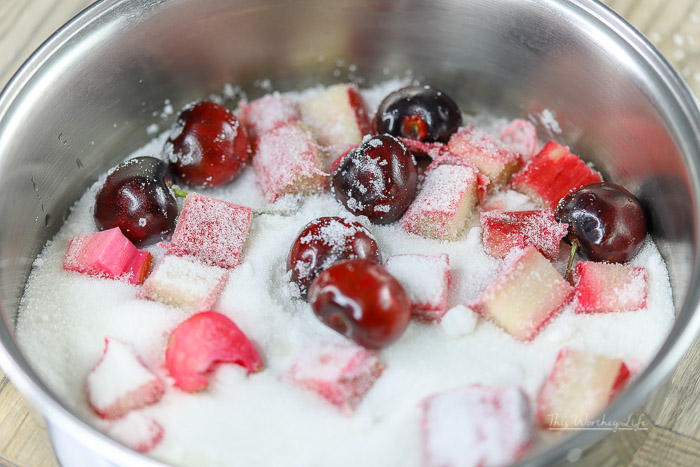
(81, 104)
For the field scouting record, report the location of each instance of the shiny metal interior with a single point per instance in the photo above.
(82, 103)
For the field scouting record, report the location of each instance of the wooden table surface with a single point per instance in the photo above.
(673, 413)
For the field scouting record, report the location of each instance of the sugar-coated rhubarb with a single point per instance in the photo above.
(527, 293)
(109, 254)
(579, 387)
(426, 280)
(269, 112)
(120, 382)
(337, 117)
(288, 161)
(202, 342)
(521, 137)
(341, 374)
(490, 157)
(504, 230)
(444, 204)
(476, 426)
(608, 287)
(211, 230)
(184, 282)
(137, 431)
(552, 174)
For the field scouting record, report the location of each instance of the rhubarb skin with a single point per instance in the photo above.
(579, 387)
(552, 174)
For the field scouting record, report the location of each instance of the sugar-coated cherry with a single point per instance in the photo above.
(377, 179)
(421, 113)
(359, 299)
(207, 146)
(605, 220)
(136, 197)
(325, 241)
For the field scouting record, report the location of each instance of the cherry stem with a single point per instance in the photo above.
(179, 193)
(574, 246)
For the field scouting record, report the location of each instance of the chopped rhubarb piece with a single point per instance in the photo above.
(341, 374)
(492, 159)
(608, 287)
(521, 137)
(505, 230)
(184, 282)
(552, 174)
(579, 387)
(108, 253)
(526, 295)
(421, 148)
(138, 267)
(268, 113)
(137, 431)
(202, 342)
(287, 161)
(211, 230)
(475, 426)
(337, 117)
(426, 280)
(444, 204)
(120, 383)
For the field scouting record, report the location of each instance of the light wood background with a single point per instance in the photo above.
(674, 412)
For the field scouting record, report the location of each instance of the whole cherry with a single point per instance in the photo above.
(325, 241)
(420, 113)
(606, 222)
(207, 146)
(359, 299)
(377, 179)
(136, 197)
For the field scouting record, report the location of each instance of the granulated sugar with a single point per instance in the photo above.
(263, 419)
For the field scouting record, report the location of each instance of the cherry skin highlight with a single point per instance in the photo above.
(361, 300)
(605, 220)
(207, 146)
(325, 241)
(136, 197)
(420, 113)
(378, 179)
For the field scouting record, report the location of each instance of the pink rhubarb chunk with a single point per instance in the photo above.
(444, 204)
(490, 157)
(204, 341)
(579, 388)
(287, 161)
(337, 117)
(607, 287)
(426, 280)
(341, 374)
(184, 282)
(505, 230)
(268, 113)
(552, 174)
(527, 293)
(120, 383)
(521, 137)
(211, 230)
(107, 253)
(137, 431)
(476, 426)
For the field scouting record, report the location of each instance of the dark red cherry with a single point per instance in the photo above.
(418, 112)
(207, 146)
(325, 241)
(359, 299)
(377, 179)
(136, 197)
(605, 220)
